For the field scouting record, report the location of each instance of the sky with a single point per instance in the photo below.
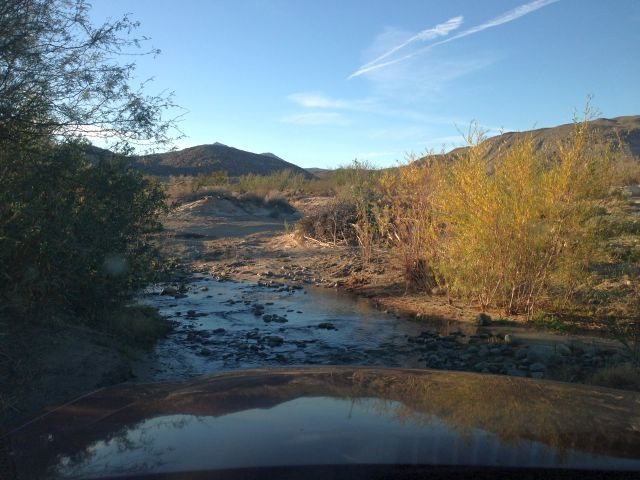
(320, 83)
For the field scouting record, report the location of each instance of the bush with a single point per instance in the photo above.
(332, 223)
(405, 217)
(73, 237)
(511, 233)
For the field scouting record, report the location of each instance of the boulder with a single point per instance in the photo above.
(537, 367)
(541, 353)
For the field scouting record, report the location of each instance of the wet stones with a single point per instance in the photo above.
(273, 340)
(326, 326)
(274, 318)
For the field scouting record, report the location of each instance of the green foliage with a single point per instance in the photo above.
(282, 181)
(72, 235)
(506, 234)
(139, 325)
(550, 322)
(60, 75)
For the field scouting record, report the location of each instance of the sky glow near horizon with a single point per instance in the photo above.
(322, 83)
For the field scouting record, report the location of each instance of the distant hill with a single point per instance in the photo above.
(621, 131)
(211, 158)
(320, 172)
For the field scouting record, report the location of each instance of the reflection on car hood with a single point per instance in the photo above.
(332, 416)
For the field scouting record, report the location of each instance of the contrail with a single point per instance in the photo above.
(499, 20)
(439, 30)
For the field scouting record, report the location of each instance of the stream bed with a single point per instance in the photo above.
(226, 325)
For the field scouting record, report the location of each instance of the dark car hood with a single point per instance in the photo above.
(331, 416)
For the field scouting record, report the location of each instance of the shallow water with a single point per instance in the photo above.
(218, 329)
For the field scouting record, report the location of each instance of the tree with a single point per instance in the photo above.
(60, 75)
(73, 232)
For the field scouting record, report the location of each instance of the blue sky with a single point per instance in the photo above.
(320, 83)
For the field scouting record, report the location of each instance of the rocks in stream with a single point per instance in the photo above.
(169, 290)
(326, 326)
(240, 345)
(273, 340)
(274, 318)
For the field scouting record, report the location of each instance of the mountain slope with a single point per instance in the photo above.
(622, 131)
(210, 158)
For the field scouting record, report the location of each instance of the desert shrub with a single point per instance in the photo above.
(332, 223)
(626, 171)
(281, 181)
(512, 232)
(404, 218)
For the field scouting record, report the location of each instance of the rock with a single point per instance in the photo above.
(327, 326)
(521, 353)
(274, 318)
(481, 367)
(516, 372)
(537, 367)
(274, 341)
(169, 291)
(541, 353)
(483, 320)
(563, 350)
(510, 339)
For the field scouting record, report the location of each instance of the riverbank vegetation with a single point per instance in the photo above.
(74, 231)
(529, 234)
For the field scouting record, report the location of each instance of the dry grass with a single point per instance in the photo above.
(625, 376)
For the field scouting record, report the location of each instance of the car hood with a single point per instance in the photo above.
(331, 416)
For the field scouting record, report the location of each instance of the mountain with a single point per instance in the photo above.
(621, 131)
(210, 158)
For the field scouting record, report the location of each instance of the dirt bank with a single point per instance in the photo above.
(45, 366)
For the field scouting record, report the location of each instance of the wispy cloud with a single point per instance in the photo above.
(439, 30)
(316, 100)
(506, 17)
(316, 118)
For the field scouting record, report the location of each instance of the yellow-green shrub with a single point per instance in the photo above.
(512, 229)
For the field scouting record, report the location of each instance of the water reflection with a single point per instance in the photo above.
(337, 416)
